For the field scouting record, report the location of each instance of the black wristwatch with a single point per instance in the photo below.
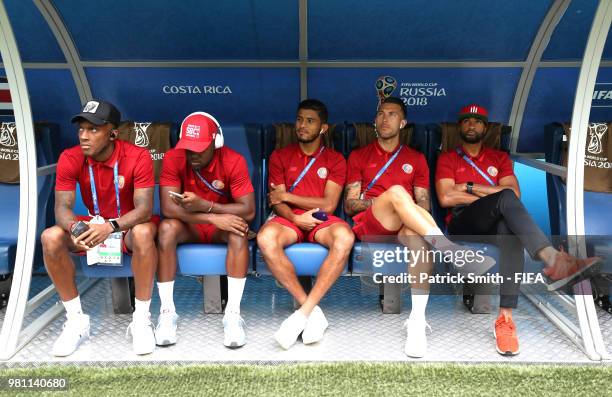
(469, 186)
(115, 225)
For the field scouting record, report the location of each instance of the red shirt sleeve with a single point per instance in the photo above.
(505, 166)
(67, 173)
(421, 176)
(240, 182)
(276, 172)
(353, 169)
(337, 173)
(444, 167)
(170, 173)
(143, 173)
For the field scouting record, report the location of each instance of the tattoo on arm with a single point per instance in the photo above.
(353, 203)
(422, 198)
(143, 206)
(64, 203)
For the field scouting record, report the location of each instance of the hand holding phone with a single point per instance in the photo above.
(79, 228)
(176, 195)
(320, 215)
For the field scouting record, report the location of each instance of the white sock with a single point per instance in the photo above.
(235, 287)
(141, 309)
(73, 307)
(437, 239)
(166, 291)
(419, 303)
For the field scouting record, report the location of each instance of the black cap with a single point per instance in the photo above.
(99, 113)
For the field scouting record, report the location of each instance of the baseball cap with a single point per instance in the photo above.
(98, 113)
(198, 130)
(474, 110)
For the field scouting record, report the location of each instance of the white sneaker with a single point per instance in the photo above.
(315, 327)
(165, 332)
(143, 338)
(290, 329)
(75, 331)
(416, 340)
(233, 330)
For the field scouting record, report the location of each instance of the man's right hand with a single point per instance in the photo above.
(230, 223)
(305, 221)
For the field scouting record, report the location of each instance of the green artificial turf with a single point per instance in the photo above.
(345, 379)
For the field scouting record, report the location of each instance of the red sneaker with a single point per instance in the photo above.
(569, 269)
(506, 341)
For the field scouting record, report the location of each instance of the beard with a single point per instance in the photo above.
(472, 139)
(307, 139)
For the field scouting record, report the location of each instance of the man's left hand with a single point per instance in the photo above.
(97, 233)
(276, 195)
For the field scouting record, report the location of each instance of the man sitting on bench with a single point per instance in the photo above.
(206, 197)
(306, 181)
(478, 184)
(387, 194)
(116, 180)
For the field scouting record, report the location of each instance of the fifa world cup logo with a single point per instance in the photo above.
(385, 85)
(7, 134)
(142, 139)
(596, 133)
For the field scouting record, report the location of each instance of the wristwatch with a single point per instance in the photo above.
(115, 225)
(469, 186)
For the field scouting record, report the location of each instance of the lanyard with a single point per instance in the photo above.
(94, 194)
(470, 162)
(381, 171)
(211, 187)
(305, 170)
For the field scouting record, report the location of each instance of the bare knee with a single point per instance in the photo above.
(399, 194)
(53, 239)
(235, 241)
(267, 241)
(343, 241)
(168, 230)
(143, 235)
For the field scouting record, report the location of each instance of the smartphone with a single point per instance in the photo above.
(177, 195)
(79, 228)
(320, 215)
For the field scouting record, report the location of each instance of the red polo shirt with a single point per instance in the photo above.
(495, 163)
(286, 165)
(135, 169)
(227, 172)
(409, 169)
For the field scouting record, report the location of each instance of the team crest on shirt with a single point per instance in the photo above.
(217, 184)
(322, 172)
(121, 181)
(407, 168)
(492, 171)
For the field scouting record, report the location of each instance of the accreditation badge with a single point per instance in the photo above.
(107, 253)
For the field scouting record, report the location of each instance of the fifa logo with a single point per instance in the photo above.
(7, 134)
(596, 133)
(385, 85)
(142, 139)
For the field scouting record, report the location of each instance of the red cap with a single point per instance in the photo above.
(198, 130)
(475, 111)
